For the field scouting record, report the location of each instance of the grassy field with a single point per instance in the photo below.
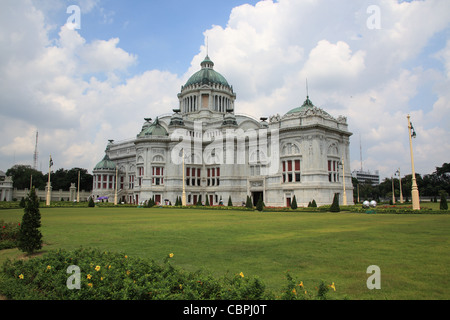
(412, 251)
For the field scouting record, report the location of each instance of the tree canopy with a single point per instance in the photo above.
(24, 175)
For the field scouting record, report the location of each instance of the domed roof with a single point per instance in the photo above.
(105, 164)
(155, 129)
(306, 105)
(207, 75)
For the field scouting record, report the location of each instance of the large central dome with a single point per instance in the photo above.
(207, 75)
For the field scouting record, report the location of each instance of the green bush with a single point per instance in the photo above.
(116, 276)
(443, 204)
(30, 237)
(9, 234)
(335, 205)
(294, 203)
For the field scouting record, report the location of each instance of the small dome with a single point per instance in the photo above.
(155, 129)
(105, 164)
(207, 75)
(306, 105)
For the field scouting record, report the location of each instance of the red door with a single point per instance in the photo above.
(288, 202)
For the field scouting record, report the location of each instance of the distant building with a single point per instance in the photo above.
(367, 177)
(6, 187)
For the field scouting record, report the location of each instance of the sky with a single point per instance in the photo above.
(372, 61)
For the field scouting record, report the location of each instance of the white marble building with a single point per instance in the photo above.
(6, 187)
(228, 154)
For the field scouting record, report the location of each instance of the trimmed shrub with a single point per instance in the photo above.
(230, 203)
(335, 205)
(30, 238)
(443, 204)
(294, 203)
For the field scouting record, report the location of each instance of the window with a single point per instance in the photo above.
(333, 171)
(291, 171)
(193, 176)
(131, 182)
(158, 176)
(213, 177)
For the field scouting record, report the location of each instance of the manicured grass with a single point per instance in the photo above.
(411, 250)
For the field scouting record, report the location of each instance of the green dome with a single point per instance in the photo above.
(207, 75)
(105, 164)
(155, 129)
(306, 105)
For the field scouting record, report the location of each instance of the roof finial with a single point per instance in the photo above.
(307, 90)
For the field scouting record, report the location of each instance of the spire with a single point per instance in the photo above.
(307, 90)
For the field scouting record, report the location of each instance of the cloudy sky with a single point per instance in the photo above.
(374, 61)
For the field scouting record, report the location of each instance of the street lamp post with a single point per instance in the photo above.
(415, 189)
(344, 200)
(400, 179)
(393, 190)
(183, 197)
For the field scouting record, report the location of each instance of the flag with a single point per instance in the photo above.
(413, 132)
(51, 162)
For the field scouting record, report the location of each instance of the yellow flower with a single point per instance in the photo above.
(241, 274)
(97, 268)
(90, 285)
(294, 291)
(170, 255)
(128, 272)
(333, 287)
(101, 278)
(109, 267)
(181, 287)
(88, 276)
(126, 257)
(301, 284)
(21, 276)
(49, 267)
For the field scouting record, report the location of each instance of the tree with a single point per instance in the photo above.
(21, 176)
(294, 203)
(207, 202)
(314, 204)
(260, 205)
(230, 203)
(443, 205)
(30, 238)
(91, 203)
(199, 201)
(249, 203)
(335, 205)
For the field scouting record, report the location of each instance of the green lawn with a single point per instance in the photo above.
(411, 250)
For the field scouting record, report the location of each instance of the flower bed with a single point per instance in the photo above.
(116, 276)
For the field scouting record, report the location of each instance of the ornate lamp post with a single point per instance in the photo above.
(414, 190)
(344, 200)
(393, 190)
(400, 179)
(183, 197)
(48, 200)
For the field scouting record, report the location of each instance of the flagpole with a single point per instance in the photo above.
(415, 189)
(48, 186)
(78, 193)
